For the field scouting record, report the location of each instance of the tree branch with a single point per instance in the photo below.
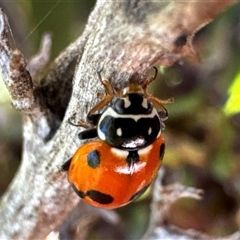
(124, 38)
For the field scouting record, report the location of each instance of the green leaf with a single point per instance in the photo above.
(232, 105)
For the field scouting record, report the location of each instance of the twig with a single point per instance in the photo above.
(125, 38)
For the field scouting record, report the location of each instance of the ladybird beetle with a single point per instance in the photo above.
(109, 177)
(131, 121)
(119, 166)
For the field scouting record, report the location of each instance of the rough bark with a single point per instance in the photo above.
(124, 39)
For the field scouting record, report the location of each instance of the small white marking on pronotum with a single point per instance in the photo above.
(149, 131)
(127, 103)
(125, 90)
(119, 132)
(145, 103)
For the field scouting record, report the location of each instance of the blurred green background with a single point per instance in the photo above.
(202, 140)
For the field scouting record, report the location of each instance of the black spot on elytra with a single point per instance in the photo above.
(162, 151)
(99, 197)
(66, 165)
(78, 192)
(93, 159)
(139, 193)
(96, 196)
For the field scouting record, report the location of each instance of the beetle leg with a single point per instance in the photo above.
(159, 103)
(106, 84)
(151, 79)
(100, 105)
(88, 133)
(79, 123)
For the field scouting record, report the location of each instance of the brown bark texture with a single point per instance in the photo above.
(124, 39)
